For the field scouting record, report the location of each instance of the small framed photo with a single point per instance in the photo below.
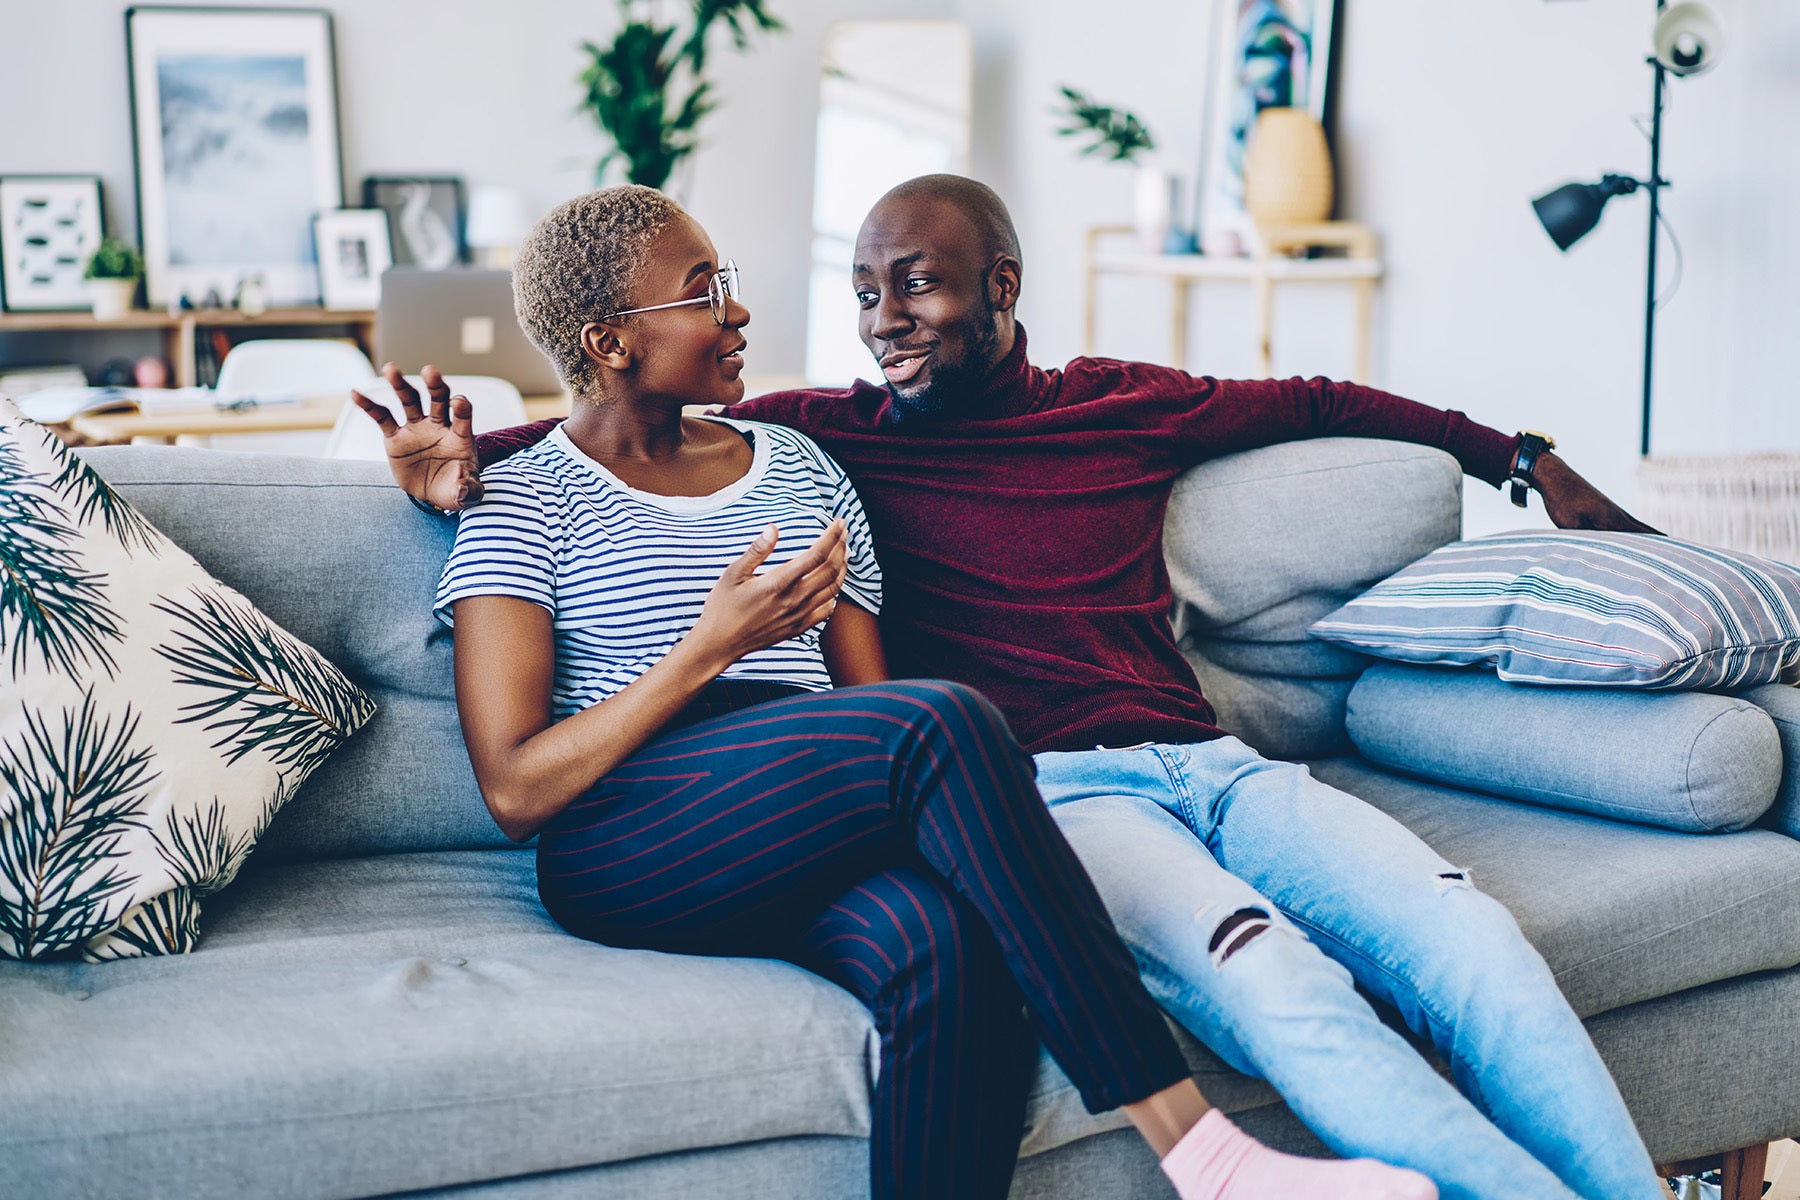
(353, 252)
(49, 226)
(426, 218)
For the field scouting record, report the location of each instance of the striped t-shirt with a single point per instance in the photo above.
(624, 573)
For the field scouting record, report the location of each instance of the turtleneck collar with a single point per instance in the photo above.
(1010, 389)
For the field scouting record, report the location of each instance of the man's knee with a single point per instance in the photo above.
(1236, 931)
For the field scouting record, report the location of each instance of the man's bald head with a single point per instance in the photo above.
(977, 201)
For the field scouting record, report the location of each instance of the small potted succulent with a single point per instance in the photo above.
(112, 277)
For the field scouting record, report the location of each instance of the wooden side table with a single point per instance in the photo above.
(1361, 267)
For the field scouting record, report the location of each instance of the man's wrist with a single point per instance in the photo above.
(428, 507)
(1533, 449)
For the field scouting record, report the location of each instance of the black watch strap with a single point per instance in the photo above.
(428, 507)
(1532, 448)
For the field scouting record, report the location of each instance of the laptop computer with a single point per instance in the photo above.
(460, 321)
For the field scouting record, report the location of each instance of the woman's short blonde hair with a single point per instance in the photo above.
(579, 264)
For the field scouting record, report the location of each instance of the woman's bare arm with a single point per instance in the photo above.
(529, 767)
(852, 647)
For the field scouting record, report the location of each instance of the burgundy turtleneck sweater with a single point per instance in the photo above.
(1020, 532)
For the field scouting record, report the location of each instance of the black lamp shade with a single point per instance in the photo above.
(1570, 211)
(1574, 208)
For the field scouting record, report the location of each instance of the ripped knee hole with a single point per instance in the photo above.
(1237, 931)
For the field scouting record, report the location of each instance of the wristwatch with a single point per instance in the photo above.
(1532, 447)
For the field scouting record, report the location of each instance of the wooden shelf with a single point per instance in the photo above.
(179, 330)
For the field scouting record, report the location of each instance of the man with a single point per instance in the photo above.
(1018, 514)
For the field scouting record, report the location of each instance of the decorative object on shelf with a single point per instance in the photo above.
(630, 85)
(235, 135)
(1274, 54)
(1118, 135)
(1287, 174)
(1686, 40)
(426, 217)
(49, 226)
(112, 273)
(497, 224)
(353, 252)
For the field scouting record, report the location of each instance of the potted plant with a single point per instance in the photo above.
(633, 83)
(112, 277)
(1119, 136)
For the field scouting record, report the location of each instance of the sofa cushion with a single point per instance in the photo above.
(365, 1026)
(1250, 571)
(152, 721)
(333, 552)
(1622, 913)
(1683, 760)
(1579, 607)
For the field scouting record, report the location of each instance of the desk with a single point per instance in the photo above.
(314, 413)
(1261, 271)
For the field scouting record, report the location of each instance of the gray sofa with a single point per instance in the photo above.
(379, 1004)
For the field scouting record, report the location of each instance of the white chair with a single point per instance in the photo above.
(497, 405)
(290, 367)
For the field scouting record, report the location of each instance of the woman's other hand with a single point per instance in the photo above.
(432, 455)
(746, 612)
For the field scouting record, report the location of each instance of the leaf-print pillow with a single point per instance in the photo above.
(152, 721)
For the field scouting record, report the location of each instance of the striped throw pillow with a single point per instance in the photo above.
(1582, 609)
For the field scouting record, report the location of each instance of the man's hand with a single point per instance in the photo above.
(432, 456)
(1574, 503)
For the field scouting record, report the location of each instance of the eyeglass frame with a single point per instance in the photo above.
(721, 287)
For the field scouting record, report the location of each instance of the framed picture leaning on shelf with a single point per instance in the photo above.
(426, 218)
(353, 252)
(235, 135)
(49, 228)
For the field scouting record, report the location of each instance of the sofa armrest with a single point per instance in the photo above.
(1782, 703)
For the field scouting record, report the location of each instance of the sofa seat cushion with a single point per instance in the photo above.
(375, 1025)
(1622, 913)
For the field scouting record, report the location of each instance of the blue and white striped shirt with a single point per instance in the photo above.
(624, 573)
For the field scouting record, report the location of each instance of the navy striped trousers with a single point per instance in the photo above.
(889, 837)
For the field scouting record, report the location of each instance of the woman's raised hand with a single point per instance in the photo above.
(432, 456)
(746, 612)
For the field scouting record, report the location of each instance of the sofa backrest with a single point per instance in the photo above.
(1263, 543)
(334, 553)
(1259, 545)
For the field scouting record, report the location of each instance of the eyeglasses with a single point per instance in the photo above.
(722, 287)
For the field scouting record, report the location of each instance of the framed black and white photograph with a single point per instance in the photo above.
(235, 133)
(353, 252)
(49, 226)
(426, 218)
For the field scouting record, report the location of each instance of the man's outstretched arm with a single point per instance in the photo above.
(435, 455)
(1234, 415)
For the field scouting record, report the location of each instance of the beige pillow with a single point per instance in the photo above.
(152, 721)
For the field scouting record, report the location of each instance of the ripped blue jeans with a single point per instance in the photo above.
(1254, 896)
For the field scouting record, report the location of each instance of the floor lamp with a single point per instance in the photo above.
(1686, 40)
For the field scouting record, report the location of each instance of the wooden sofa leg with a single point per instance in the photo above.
(1743, 1172)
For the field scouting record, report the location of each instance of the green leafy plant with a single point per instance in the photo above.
(114, 259)
(648, 96)
(1117, 134)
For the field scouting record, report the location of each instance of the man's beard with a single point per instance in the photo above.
(952, 380)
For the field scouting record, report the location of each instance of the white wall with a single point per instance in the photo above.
(1451, 115)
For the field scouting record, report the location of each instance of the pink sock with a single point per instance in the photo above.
(1218, 1161)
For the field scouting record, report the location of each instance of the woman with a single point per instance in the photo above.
(705, 742)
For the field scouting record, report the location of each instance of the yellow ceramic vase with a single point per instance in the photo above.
(1287, 172)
